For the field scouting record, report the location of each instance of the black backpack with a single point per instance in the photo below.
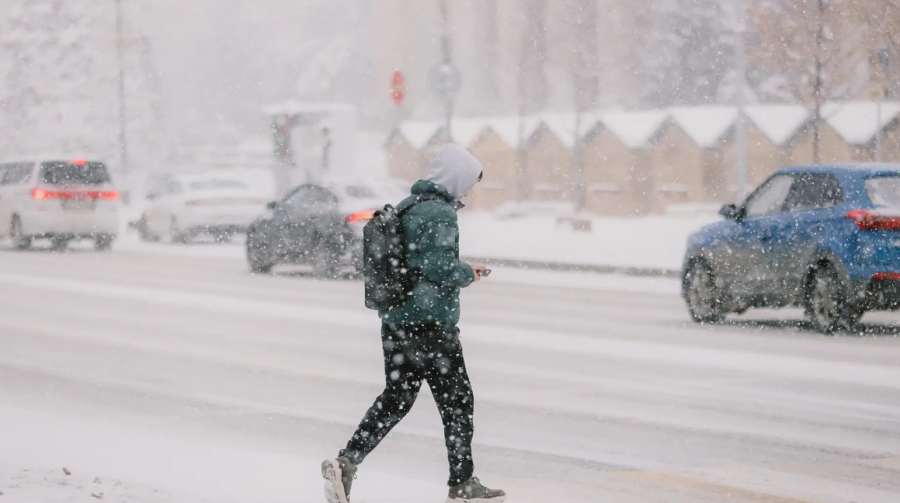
(388, 278)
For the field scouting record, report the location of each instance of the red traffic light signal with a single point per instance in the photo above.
(398, 87)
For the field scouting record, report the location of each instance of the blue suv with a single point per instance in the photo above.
(824, 238)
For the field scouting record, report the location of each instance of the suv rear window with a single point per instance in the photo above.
(67, 173)
(884, 191)
(360, 192)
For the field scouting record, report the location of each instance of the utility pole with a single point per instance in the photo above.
(818, 85)
(740, 130)
(123, 144)
(882, 60)
(878, 133)
(447, 60)
(586, 85)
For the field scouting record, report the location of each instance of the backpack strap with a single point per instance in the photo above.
(421, 198)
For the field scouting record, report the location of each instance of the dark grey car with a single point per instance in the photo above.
(306, 227)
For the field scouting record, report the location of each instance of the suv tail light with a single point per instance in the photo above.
(869, 220)
(361, 216)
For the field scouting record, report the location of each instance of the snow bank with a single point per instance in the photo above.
(857, 122)
(705, 125)
(419, 133)
(778, 122)
(99, 455)
(651, 242)
(656, 242)
(635, 129)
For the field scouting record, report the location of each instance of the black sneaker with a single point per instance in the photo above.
(338, 474)
(472, 491)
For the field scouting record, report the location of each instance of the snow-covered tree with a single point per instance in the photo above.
(880, 22)
(685, 51)
(58, 86)
(52, 78)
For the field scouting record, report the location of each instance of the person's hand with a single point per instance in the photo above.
(478, 269)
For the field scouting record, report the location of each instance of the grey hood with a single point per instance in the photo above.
(455, 169)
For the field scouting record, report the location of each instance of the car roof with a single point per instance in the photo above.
(195, 177)
(864, 169)
(52, 157)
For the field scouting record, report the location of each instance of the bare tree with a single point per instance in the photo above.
(880, 22)
(583, 17)
(814, 46)
(532, 76)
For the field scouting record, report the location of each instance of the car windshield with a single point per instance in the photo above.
(217, 184)
(884, 191)
(74, 173)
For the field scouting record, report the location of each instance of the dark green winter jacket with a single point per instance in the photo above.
(432, 234)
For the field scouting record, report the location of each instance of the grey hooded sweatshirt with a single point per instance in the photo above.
(455, 169)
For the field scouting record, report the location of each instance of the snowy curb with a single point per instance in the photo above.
(652, 272)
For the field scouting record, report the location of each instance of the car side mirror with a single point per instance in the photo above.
(273, 205)
(730, 212)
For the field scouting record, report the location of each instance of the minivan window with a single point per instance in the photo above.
(17, 174)
(217, 184)
(173, 187)
(884, 191)
(67, 173)
(814, 191)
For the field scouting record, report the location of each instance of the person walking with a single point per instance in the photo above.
(420, 338)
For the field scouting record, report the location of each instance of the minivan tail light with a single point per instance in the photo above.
(104, 194)
(43, 195)
(873, 221)
(361, 216)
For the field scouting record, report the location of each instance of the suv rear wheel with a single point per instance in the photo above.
(702, 294)
(826, 302)
(19, 240)
(103, 242)
(176, 235)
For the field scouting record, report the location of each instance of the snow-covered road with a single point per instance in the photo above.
(157, 376)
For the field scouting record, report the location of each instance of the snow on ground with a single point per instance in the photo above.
(651, 242)
(563, 279)
(657, 242)
(96, 462)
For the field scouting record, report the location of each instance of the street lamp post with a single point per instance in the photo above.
(446, 59)
(740, 131)
(883, 60)
(123, 144)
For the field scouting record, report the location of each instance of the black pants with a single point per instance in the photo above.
(412, 354)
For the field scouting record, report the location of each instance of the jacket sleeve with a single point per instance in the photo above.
(437, 251)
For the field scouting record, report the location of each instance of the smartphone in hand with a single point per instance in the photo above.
(485, 273)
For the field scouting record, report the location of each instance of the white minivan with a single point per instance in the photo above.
(213, 204)
(59, 200)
